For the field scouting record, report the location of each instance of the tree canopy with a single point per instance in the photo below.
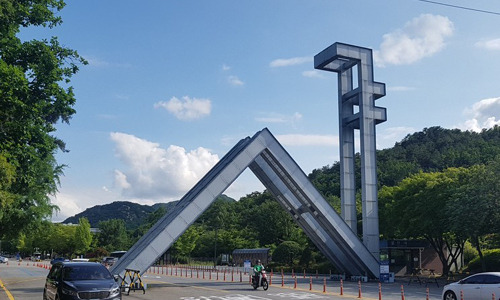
(416, 208)
(34, 96)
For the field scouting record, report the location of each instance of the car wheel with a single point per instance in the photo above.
(449, 295)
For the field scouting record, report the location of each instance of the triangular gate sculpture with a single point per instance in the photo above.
(281, 175)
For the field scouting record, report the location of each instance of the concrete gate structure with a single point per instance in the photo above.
(289, 185)
(360, 93)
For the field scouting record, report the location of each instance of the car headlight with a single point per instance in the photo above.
(115, 291)
(72, 293)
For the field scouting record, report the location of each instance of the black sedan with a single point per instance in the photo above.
(80, 280)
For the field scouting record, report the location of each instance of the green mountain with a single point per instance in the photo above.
(431, 150)
(133, 214)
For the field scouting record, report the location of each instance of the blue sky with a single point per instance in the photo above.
(171, 86)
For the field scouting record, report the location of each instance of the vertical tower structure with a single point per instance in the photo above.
(357, 110)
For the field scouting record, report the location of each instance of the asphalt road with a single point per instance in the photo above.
(25, 281)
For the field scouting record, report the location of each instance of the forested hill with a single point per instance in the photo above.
(133, 214)
(433, 149)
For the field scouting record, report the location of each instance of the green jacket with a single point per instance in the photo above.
(258, 268)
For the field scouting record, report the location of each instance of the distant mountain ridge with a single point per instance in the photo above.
(132, 213)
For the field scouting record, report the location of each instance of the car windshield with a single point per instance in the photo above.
(88, 272)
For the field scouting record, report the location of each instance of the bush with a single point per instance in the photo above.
(469, 253)
(287, 252)
(324, 267)
(181, 259)
(491, 259)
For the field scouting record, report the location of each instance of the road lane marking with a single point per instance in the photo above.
(9, 295)
(184, 285)
(17, 280)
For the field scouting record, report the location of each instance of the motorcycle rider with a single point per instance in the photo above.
(257, 270)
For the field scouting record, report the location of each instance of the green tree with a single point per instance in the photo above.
(287, 252)
(83, 236)
(417, 208)
(62, 239)
(151, 219)
(34, 97)
(7, 176)
(474, 209)
(261, 213)
(186, 243)
(113, 235)
(227, 241)
(39, 238)
(220, 214)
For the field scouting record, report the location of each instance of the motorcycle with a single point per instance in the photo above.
(262, 281)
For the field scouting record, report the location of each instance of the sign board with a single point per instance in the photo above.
(385, 275)
(247, 264)
(384, 269)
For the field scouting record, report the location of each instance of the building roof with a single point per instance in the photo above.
(249, 251)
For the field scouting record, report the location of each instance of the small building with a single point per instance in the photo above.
(405, 256)
(252, 255)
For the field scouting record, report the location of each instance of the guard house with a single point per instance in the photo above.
(406, 256)
(242, 255)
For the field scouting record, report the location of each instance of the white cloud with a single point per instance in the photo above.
(96, 62)
(313, 74)
(279, 118)
(290, 61)
(68, 207)
(225, 67)
(421, 37)
(388, 137)
(186, 109)
(308, 140)
(100, 63)
(489, 45)
(482, 115)
(121, 180)
(155, 173)
(234, 80)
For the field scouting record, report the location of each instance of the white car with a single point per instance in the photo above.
(4, 260)
(475, 287)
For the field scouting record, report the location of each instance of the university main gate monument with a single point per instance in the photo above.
(334, 235)
(357, 110)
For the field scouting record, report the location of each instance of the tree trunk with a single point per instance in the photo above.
(438, 246)
(480, 253)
